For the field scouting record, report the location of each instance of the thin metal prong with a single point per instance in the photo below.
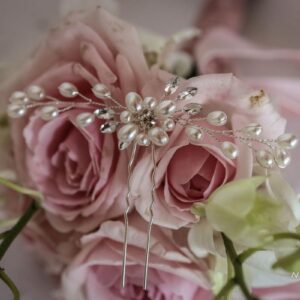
(128, 206)
(146, 267)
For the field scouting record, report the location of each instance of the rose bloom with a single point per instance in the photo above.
(173, 271)
(188, 174)
(275, 71)
(81, 172)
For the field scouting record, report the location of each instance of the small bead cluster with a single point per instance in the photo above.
(148, 121)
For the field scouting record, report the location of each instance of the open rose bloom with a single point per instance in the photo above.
(207, 185)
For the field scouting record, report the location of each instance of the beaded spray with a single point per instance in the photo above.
(147, 123)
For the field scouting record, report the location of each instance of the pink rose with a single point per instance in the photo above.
(230, 14)
(173, 273)
(276, 71)
(286, 292)
(187, 174)
(81, 173)
(54, 248)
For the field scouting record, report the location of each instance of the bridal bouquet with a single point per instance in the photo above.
(134, 178)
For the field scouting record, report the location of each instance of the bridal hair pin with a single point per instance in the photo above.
(146, 122)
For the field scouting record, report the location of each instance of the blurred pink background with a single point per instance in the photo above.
(22, 22)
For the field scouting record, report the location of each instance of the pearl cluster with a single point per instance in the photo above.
(147, 121)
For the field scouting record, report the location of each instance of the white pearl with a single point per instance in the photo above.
(253, 129)
(123, 145)
(19, 97)
(149, 103)
(16, 110)
(49, 112)
(287, 141)
(230, 150)
(165, 108)
(194, 133)
(158, 136)
(282, 158)
(217, 118)
(35, 92)
(125, 117)
(143, 139)
(128, 132)
(101, 91)
(85, 119)
(68, 90)
(134, 102)
(265, 158)
(168, 125)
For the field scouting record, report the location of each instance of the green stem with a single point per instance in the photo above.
(286, 235)
(17, 228)
(276, 237)
(237, 267)
(223, 294)
(3, 234)
(5, 278)
(247, 253)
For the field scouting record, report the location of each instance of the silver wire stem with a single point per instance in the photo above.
(147, 254)
(128, 207)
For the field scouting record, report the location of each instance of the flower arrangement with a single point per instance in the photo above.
(137, 183)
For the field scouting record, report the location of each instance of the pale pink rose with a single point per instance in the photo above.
(187, 174)
(230, 14)
(81, 173)
(276, 71)
(55, 249)
(96, 271)
(287, 292)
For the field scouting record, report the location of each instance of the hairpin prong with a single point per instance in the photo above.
(150, 223)
(127, 210)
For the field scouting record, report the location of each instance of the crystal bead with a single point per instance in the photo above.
(172, 85)
(192, 108)
(104, 113)
(123, 145)
(109, 127)
(187, 94)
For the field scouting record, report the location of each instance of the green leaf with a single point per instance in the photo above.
(289, 263)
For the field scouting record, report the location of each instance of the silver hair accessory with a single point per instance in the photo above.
(146, 122)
